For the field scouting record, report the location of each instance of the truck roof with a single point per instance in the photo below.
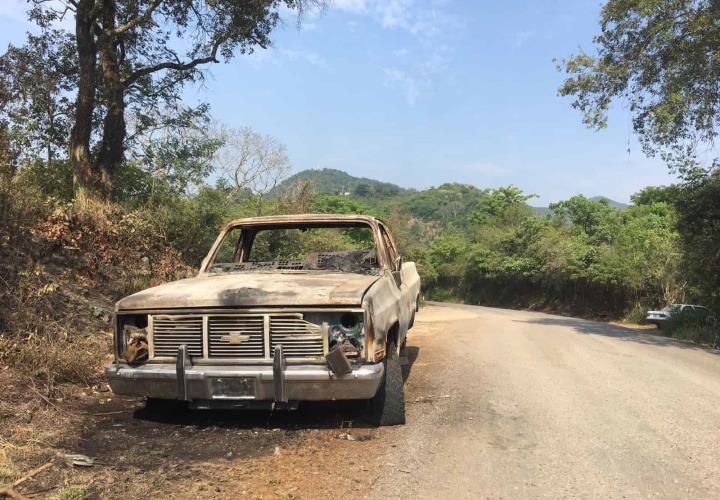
(293, 220)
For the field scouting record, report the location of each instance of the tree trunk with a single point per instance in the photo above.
(85, 180)
(111, 154)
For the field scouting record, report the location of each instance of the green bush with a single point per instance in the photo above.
(689, 325)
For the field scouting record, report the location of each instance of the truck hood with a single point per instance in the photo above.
(254, 289)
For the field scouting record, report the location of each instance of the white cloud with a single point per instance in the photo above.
(428, 25)
(523, 36)
(307, 56)
(276, 56)
(356, 6)
(395, 13)
(417, 78)
(423, 19)
(409, 84)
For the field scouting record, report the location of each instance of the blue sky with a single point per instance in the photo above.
(425, 92)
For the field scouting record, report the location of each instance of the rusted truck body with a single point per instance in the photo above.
(270, 321)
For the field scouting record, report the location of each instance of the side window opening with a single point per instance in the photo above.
(229, 249)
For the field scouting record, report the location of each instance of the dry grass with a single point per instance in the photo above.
(61, 263)
(8, 471)
(57, 361)
(62, 266)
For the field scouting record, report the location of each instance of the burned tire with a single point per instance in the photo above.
(388, 405)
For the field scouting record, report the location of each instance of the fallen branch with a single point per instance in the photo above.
(10, 493)
(31, 474)
(105, 414)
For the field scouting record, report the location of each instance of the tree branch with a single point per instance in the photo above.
(177, 66)
(145, 16)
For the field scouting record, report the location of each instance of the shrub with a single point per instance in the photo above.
(689, 325)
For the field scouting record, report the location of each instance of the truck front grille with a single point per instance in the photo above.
(236, 336)
(239, 336)
(298, 337)
(170, 332)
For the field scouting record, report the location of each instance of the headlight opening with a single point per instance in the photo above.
(347, 334)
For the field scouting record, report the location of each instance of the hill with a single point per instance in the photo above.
(612, 203)
(426, 203)
(337, 182)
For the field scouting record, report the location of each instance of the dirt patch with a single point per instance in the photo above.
(321, 450)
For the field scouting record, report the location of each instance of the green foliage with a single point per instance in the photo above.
(656, 194)
(586, 256)
(50, 179)
(192, 223)
(35, 80)
(169, 159)
(657, 57)
(691, 325)
(294, 244)
(124, 63)
(336, 182)
(449, 203)
(595, 218)
(72, 492)
(331, 204)
(506, 204)
(699, 226)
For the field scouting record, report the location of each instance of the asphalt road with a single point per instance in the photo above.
(509, 404)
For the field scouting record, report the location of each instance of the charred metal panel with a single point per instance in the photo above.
(254, 289)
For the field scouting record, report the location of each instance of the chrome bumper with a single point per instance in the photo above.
(243, 382)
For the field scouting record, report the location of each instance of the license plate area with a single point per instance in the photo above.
(233, 388)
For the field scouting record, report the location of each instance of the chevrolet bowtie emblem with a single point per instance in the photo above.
(234, 338)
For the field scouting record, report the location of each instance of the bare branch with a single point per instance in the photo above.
(254, 162)
(178, 66)
(132, 23)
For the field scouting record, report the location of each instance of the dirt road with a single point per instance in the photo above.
(554, 407)
(501, 404)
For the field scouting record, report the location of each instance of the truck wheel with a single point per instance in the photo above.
(388, 405)
(417, 308)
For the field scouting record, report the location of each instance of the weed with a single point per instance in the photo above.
(72, 492)
(8, 471)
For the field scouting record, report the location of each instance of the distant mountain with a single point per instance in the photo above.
(612, 203)
(337, 182)
(542, 211)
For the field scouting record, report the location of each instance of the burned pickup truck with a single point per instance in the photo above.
(284, 309)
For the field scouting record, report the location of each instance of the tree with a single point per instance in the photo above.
(254, 163)
(656, 194)
(596, 218)
(173, 158)
(362, 190)
(128, 59)
(35, 103)
(508, 203)
(660, 58)
(699, 227)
